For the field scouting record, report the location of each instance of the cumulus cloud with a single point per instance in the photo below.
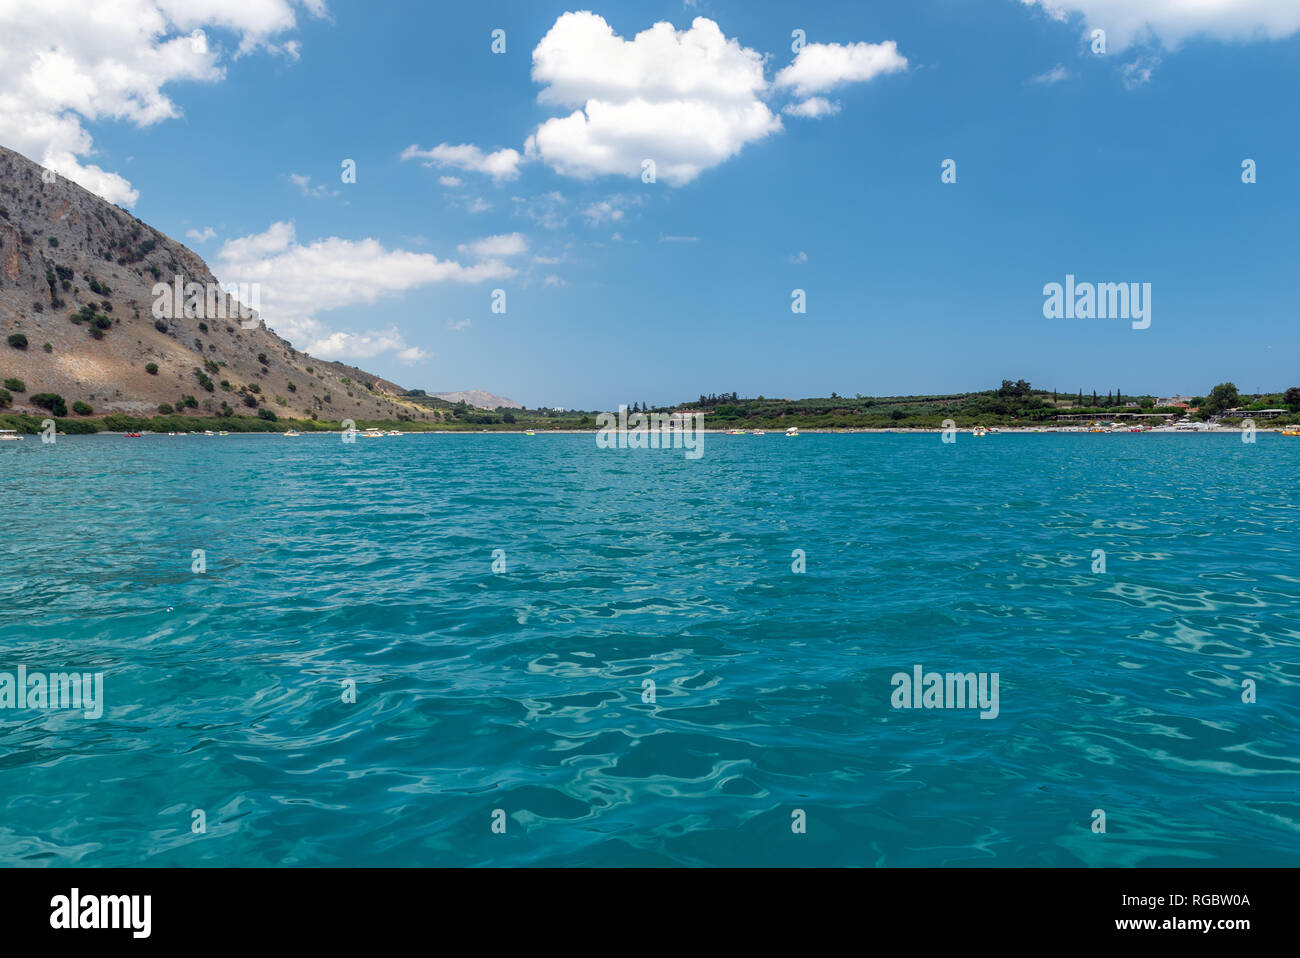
(451, 181)
(501, 165)
(509, 244)
(813, 108)
(298, 281)
(459, 325)
(688, 100)
(64, 63)
(340, 345)
(201, 236)
(1171, 22)
(412, 355)
(819, 67)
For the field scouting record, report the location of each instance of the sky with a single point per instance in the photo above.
(795, 147)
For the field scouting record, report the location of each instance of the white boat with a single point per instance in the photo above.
(392, 432)
(293, 432)
(208, 432)
(9, 435)
(979, 431)
(373, 433)
(792, 432)
(759, 432)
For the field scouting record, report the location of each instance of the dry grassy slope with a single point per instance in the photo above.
(99, 242)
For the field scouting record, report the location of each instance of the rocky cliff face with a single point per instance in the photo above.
(77, 283)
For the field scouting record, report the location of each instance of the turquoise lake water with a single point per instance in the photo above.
(522, 690)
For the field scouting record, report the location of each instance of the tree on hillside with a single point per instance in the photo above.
(1292, 398)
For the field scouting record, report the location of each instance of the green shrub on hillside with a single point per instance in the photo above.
(51, 401)
(151, 368)
(82, 409)
(17, 385)
(17, 340)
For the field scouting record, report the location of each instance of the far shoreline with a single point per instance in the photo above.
(918, 430)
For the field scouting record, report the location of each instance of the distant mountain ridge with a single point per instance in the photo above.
(76, 287)
(479, 398)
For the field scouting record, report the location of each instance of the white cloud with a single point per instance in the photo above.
(685, 100)
(1054, 75)
(340, 345)
(412, 355)
(501, 165)
(1139, 72)
(304, 184)
(678, 239)
(66, 62)
(799, 258)
(814, 108)
(299, 281)
(201, 236)
(1170, 22)
(601, 212)
(553, 280)
(509, 244)
(819, 67)
(688, 100)
(451, 181)
(546, 210)
(456, 327)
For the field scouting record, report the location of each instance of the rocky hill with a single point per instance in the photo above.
(77, 321)
(479, 399)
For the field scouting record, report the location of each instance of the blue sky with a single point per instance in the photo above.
(1122, 167)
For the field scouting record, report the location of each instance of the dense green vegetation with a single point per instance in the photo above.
(1012, 404)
